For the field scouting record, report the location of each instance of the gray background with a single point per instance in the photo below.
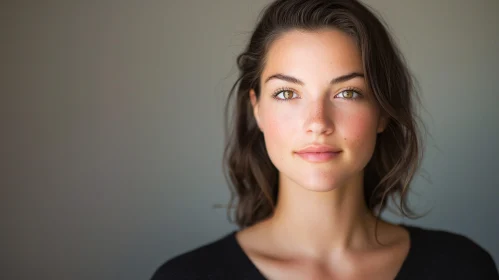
(112, 138)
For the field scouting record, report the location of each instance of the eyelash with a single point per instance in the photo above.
(278, 91)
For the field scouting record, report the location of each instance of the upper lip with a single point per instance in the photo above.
(318, 148)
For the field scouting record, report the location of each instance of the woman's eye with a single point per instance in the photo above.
(285, 94)
(349, 94)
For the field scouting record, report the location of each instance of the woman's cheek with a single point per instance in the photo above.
(278, 133)
(360, 134)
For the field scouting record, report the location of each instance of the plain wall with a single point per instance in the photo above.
(111, 118)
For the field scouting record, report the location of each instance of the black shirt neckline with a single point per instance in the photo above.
(402, 273)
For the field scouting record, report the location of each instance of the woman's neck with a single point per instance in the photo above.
(319, 224)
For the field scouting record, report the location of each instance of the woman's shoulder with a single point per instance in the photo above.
(444, 241)
(444, 251)
(204, 262)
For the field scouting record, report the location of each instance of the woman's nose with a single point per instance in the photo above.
(319, 118)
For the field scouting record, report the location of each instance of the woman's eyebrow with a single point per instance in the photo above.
(294, 80)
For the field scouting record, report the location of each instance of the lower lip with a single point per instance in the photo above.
(318, 157)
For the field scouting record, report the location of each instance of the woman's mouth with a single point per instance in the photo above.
(318, 157)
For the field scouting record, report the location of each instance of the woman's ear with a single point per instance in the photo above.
(384, 119)
(255, 104)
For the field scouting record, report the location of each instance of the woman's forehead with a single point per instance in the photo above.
(311, 53)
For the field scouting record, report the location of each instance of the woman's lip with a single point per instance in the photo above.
(319, 157)
(317, 148)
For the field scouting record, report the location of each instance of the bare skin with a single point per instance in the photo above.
(276, 259)
(321, 227)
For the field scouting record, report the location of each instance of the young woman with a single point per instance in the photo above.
(323, 132)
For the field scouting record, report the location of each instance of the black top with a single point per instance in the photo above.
(433, 254)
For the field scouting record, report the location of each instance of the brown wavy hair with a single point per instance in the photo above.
(252, 177)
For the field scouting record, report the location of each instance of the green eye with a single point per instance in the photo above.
(349, 94)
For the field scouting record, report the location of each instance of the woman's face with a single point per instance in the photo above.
(302, 104)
